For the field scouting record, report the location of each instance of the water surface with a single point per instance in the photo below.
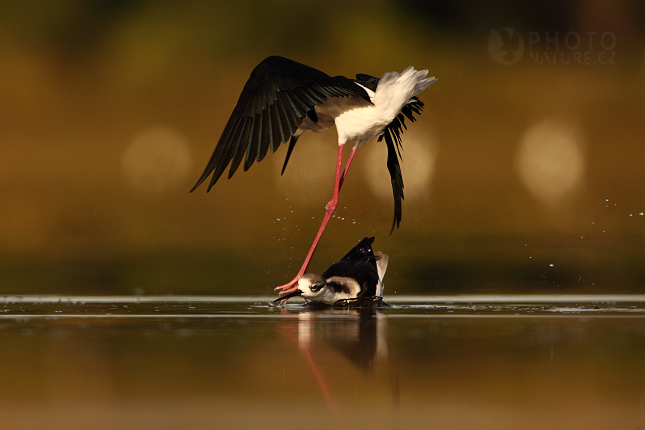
(477, 362)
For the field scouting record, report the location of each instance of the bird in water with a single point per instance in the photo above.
(283, 98)
(359, 274)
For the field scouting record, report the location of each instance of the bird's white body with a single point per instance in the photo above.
(394, 91)
(358, 120)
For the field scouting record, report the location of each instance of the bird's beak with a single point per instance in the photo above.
(288, 296)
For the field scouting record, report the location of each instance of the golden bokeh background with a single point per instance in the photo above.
(524, 177)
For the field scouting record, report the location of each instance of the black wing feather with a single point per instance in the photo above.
(279, 134)
(395, 176)
(292, 144)
(279, 91)
(363, 249)
(235, 152)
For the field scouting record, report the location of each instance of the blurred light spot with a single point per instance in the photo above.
(550, 160)
(419, 154)
(157, 161)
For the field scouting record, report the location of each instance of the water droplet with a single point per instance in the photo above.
(551, 265)
(606, 200)
(630, 214)
(278, 219)
(641, 213)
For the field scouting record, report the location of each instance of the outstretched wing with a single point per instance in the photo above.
(392, 136)
(273, 104)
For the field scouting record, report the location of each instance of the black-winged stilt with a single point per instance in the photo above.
(283, 98)
(358, 274)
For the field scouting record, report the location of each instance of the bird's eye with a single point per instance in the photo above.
(316, 287)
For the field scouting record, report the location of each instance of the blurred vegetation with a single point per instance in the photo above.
(83, 84)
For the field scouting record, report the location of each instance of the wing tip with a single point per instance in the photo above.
(199, 182)
(396, 222)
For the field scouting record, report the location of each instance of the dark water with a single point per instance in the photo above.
(471, 362)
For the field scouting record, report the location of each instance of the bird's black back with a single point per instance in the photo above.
(360, 265)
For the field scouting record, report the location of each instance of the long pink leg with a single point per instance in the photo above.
(331, 207)
(349, 161)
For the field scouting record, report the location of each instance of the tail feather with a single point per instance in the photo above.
(381, 267)
(422, 84)
(387, 78)
(395, 90)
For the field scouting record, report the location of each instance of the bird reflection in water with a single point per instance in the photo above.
(356, 329)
